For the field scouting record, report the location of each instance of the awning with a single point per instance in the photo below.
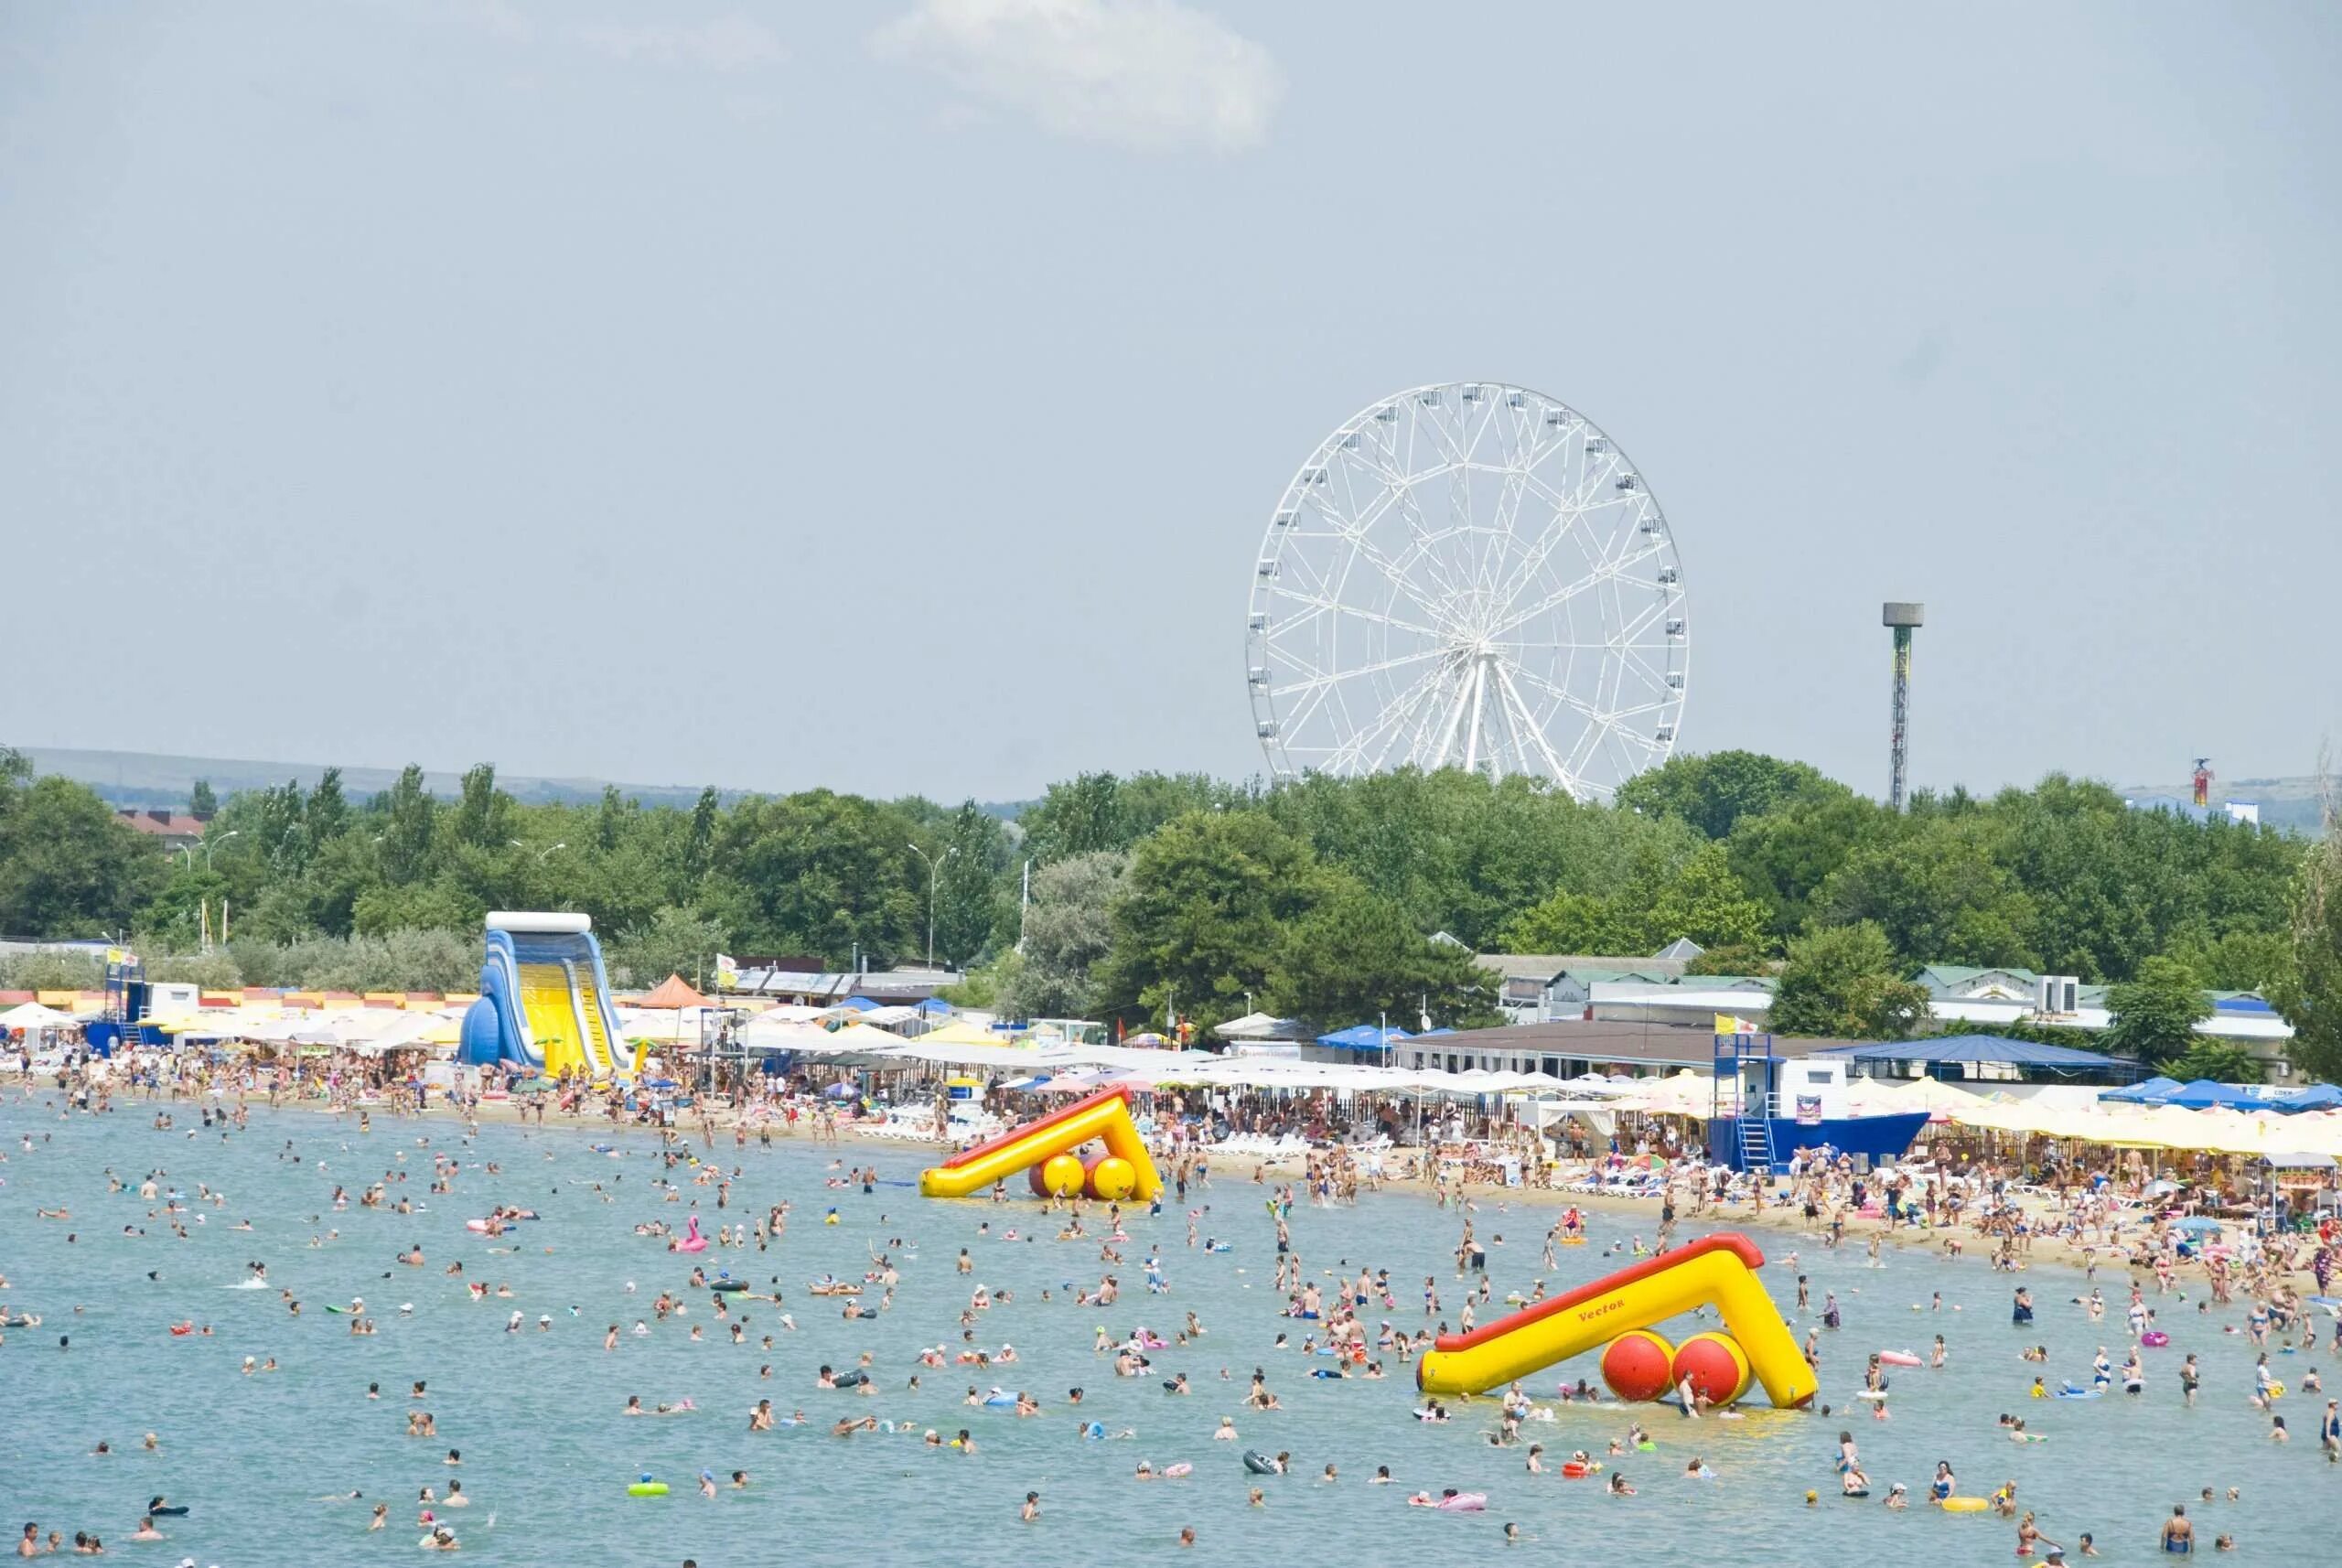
(1993, 1048)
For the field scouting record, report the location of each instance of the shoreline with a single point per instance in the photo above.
(1785, 1218)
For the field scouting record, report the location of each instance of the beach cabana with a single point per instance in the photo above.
(2317, 1097)
(2205, 1094)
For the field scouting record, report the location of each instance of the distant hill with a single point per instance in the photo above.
(149, 779)
(145, 778)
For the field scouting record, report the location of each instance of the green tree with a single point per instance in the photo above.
(1068, 929)
(1784, 856)
(1078, 817)
(2261, 961)
(325, 815)
(1842, 980)
(674, 941)
(409, 815)
(1730, 960)
(415, 907)
(1714, 791)
(68, 866)
(2216, 1059)
(968, 892)
(1352, 959)
(611, 822)
(2156, 1015)
(819, 873)
(698, 844)
(1460, 854)
(2310, 993)
(1199, 921)
(1565, 922)
(1937, 892)
(1670, 897)
(200, 801)
(1099, 811)
(483, 814)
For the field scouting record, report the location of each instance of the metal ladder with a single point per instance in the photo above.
(1756, 1137)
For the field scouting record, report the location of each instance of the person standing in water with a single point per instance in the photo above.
(2178, 1535)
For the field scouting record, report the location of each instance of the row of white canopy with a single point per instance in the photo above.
(1098, 1066)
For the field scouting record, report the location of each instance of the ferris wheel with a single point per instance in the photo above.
(1468, 576)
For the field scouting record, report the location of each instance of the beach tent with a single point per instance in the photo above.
(674, 991)
(1994, 1049)
(1364, 1037)
(1687, 1093)
(960, 1032)
(1887, 1096)
(2204, 1094)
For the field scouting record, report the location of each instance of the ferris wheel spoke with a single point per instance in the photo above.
(1398, 485)
(1606, 572)
(1394, 717)
(1422, 700)
(1563, 694)
(1321, 605)
(1351, 747)
(1455, 722)
(1550, 602)
(1389, 486)
(1632, 628)
(1535, 730)
(1358, 533)
(1512, 489)
(1320, 681)
(1567, 520)
(1355, 536)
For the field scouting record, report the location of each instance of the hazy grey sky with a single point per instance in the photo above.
(891, 394)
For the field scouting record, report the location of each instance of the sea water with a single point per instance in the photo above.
(547, 1457)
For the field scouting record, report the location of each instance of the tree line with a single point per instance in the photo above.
(1154, 896)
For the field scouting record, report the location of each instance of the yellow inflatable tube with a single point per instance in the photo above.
(1104, 1116)
(1716, 1271)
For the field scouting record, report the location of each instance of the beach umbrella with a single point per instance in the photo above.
(2205, 1094)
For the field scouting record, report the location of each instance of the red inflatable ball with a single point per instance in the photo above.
(1716, 1366)
(1638, 1365)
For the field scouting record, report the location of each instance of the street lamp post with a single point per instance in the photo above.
(232, 833)
(934, 869)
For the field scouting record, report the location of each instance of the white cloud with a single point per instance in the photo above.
(1151, 74)
(732, 43)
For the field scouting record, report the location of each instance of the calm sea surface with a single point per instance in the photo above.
(547, 1457)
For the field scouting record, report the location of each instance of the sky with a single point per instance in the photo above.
(891, 395)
